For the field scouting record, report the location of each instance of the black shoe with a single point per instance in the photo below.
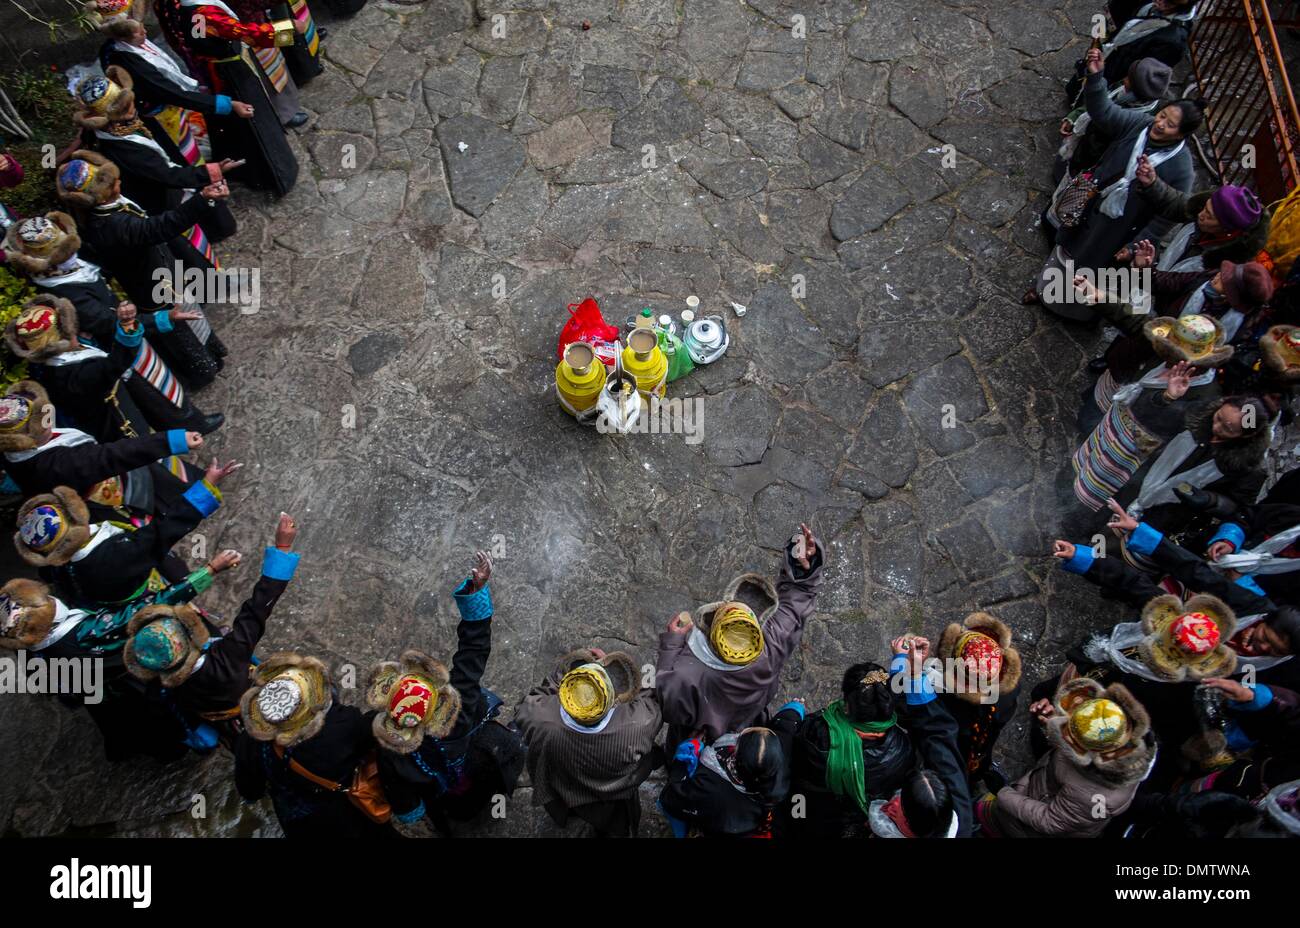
(210, 423)
(322, 32)
(300, 118)
(1098, 365)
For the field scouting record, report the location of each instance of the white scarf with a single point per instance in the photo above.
(1126, 635)
(1158, 487)
(1177, 246)
(100, 532)
(65, 620)
(709, 758)
(882, 826)
(1157, 377)
(1144, 23)
(1263, 559)
(63, 438)
(164, 62)
(701, 648)
(139, 139)
(86, 353)
(73, 271)
(1114, 199)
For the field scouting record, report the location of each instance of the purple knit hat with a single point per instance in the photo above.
(1236, 208)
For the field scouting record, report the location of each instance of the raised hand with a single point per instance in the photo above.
(805, 546)
(1146, 174)
(1145, 256)
(1121, 523)
(218, 472)
(286, 530)
(1095, 61)
(680, 624)
(193, 440)
(225, 560)
(479, 572)
(1180, 380)
(126, 313)
(1062, 549)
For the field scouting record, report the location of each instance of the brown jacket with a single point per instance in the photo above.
(694, 695)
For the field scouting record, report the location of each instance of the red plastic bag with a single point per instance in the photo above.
(586, 324)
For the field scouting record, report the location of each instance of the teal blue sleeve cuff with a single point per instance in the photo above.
(474, 607)
(223, 109)
(917, 690)
(202, 499)
(279, 565)
(1081, 563)
(176, 441)
(1144, 539)
(795, 705)
(1230, 532)
(1245, 580)
(130, 339)
(1263, 696)
(163, 319)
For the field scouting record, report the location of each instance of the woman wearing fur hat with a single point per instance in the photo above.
(143, 252)
(590, 730)
(101, 391)
(46, 249)
(302, 747)
(981, 644)
(203, 670)
(720, 677)
(219, 57)
(847, 755)
(130, 720)
(1101, 748)
(733, 786)
(40, 456)
(442, 753)
(155, 175)
(100, 563)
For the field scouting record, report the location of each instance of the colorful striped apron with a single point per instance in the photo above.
(1104, 390)
(1111, 455)
(302, 15)
(151, 367)
(272, 62)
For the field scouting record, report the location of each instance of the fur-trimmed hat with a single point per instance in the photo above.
(1196, 339)
(101, 101)
(591, 686)
(41, 242)
(288, 700)
(961, 642)
(1110, 716)
(104, 13)
(25, 409)
(27, 612)
(52, 527)
(45, 326)
(414, 697)
(1280, 347)
(87, 179)
(1188, 640)
(165, 643)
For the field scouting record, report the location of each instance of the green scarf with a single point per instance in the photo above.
(845, 775)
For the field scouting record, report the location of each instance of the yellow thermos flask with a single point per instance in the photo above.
(579, 378)
(646, 361)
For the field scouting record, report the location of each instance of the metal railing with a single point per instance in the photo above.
(1251, 117)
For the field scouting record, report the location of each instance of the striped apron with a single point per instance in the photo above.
(151, 367)
(305, 25)
(1111, 455)
(1104, 390)
(272, 62)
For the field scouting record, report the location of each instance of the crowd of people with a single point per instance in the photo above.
(1183, 721)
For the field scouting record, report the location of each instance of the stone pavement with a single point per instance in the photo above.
(772, 156)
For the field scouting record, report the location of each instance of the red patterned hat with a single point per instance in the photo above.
(411, 701)
(980, 653)
(1196, 633)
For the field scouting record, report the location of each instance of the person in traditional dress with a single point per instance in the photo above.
(848, 755)
(590, 730)
(199, 668)
(1082, 143)
(1226, 223)
(99, 391)
(155, 175)
(221, 57)
(443, 755)
(1092, 232)
(48, 250)
(1100, 748)
(11, 175)
(34, 621)
(982, 644)
(144, 252)
(303, 748)
(128, 480)
(302, 57)
(92, 564)
(719, 676)
(1204, 441)
(733, 786)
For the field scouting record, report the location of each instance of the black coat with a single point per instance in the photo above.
(80, 392)
(978, 727)
(886, 760)
(83, 466)
(934, 733)
(713, 806)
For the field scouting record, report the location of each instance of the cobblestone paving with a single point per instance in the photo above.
(774, 156)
